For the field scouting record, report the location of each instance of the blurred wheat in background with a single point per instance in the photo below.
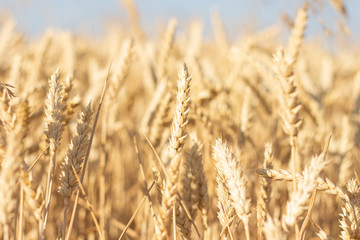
(178, 137)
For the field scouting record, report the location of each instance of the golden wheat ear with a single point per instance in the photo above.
(195, 190)
(76, 153)
(14, 119)
(297, 34)
(53, 131)
(180, 119)
(232, 174)
(177, 141)
(168, 42)
(299, 199)
(74, 158)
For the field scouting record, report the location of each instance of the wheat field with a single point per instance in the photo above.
(177, 136)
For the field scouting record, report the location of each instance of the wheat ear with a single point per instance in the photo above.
(297, 204)
(153, 108)
(134, 19)
(9, 176)
(10, 166)
(297, 34)
(177, 140)
(350, 216)
(54, 127)
(235, 181)
(203, 117)
(290, 107)
(125, 65)
(180, 119)
(7, 114)
(166, 48)
(75, 157)
(195, 191)
(34, 195)
(226, 211)
(68, 84)
(322, 184)
(320, 233)
(283, 68)
(156, 131)
(182, 222)
(72, 104)
(219, 30)
(272, 229)
(75, 154)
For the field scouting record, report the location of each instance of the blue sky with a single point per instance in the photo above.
(33, 17)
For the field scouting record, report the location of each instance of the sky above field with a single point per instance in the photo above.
(91, 17)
